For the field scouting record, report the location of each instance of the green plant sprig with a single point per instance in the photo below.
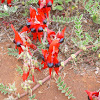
(62, 86)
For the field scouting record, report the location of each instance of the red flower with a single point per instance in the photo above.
(36, 23)
(49, 58)
(18, 41)
(91, 94)
(45, 6)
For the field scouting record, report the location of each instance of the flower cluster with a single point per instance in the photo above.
(50, 56)
(92, 95)
(36, 25)
(8, 2)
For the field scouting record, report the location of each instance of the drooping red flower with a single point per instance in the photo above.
(51, 35)
(18, 41)
(91, 94)
(49, 58)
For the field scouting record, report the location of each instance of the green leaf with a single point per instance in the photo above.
(12, 52)
(58, 7)
(67, 89)
(64, 86)
(60, 88)
(81, 16)
(94, 48)
(63, 91)
(60, 84)
(59, 80)
(99, 31)
(67, 93)
(67, 1)
(19, 69)
(3, 89)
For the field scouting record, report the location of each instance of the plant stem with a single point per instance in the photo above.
(48, 77)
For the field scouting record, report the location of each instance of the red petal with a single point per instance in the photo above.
(45, 65)
(38, 69)
(32, 12)
(95, 93)
(56, 70)
(33, 78)
(33, 46)
(50, 58)
(50, 70)
(24, 29)
(55, 60)
(16, 47)
(9, 2)
(25, 75)
(17, 36)
(2, 1)
(40, 36)
(34, 36)
(20, 50)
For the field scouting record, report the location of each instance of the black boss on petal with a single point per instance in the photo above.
(44, 21)
(61, 40)
(42, 58)
(38, 3)
(40, 29)
(33, 30)
(48, 45)
(88, 98)
(49, 4)
(50, 65)
(18, 44)
(58, 64)
(14, 41)
(28, 24)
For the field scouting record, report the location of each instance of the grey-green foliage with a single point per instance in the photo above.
(3, 89)
(97, 42)
(62, 19)
(12, 52)
(60, 6)
(93, 7)
(6, 10)
(79, 40)
(62, 86)
(32, 1)
(19, 69)
(82, 39)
